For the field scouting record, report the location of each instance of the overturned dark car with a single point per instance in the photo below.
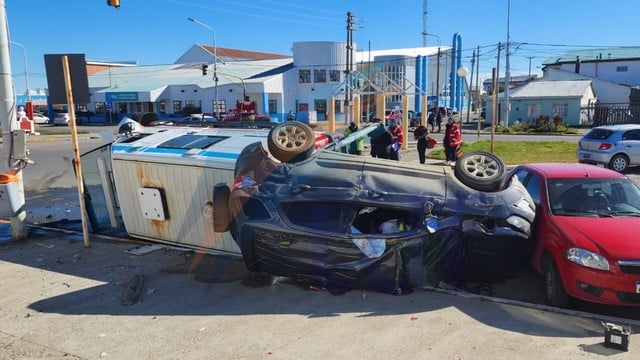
(342, 221)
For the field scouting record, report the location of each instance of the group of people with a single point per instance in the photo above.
(451, 141)
(387, 142)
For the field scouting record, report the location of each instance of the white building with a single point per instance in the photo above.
(303, 82)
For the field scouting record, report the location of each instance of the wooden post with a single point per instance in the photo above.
(76, 150)
(331, 114)
(405, 122)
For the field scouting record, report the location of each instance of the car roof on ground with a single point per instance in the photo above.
(572, 170)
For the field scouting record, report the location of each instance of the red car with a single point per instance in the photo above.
(585, 232)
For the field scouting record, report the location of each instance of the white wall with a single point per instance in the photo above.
(607, 92)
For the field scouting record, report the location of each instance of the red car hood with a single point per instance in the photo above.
(614, 237)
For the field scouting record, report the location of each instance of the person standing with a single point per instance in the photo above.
(452, 141)
(439, 118)
(431, 120)
(357, 145)
(420, 134)
(381, 141)
(397, 139)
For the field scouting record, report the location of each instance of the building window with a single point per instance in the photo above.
(320, 76)
(337, 106)
(320, 106)
(163, 107)
(99, 107)
(221, 108)
(273, 106)
(534, 111)
(561, 110)
(138, 107)
(334, 75)
(305, 76)
(303, 107)
(177, 106)
(622, 68)
(189, 103)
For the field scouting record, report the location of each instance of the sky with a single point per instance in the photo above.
(153, 32)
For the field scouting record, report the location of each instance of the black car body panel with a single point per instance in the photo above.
(319, 220)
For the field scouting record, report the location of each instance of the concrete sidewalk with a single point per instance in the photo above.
(62, 300)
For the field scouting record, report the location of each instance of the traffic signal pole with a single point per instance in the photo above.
(8, 123)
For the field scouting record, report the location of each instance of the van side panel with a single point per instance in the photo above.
(187, 198)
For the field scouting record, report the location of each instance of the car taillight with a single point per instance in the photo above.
(604, 146)
(242, 182)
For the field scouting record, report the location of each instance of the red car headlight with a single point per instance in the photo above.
(587, 258)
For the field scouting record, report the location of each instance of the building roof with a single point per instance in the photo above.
(365, 55)
(601, 54)
(547, 89)
(227, 54)
(153, 77)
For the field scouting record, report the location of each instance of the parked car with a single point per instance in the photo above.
(615, 146)
(585, 232)
(342, 221)
(368, 117)
(39, 118)
(62, 118)
(414, 121)
(483, 112)
(197, 119)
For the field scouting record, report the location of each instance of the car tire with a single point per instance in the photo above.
(221, 215)
(291, 141)
(554, 290)
(480, 170)
(619, 163)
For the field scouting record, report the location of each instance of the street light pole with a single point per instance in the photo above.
(26, 68)
(215, 65)
(507, 75)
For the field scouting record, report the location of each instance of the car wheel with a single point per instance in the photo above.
(554, 290)
(291, 141)
(221, 215)
(480, 170)
(619, 163)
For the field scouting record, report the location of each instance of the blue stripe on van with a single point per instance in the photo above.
(217, 154)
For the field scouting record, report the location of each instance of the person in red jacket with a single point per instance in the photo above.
(398, 138)
(453, 138)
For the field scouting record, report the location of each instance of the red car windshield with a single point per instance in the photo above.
(601, 196)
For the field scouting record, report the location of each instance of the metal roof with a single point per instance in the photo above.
(601, 54)
(153, 77)
(546, 89)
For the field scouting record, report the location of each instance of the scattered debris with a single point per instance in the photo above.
(616, 336)
(132, 290)
(143, 249)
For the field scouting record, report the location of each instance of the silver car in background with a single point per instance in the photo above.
(614, 146)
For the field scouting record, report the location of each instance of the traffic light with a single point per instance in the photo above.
(114, 3)
(204, 69)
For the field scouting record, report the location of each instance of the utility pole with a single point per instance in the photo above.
(507, 73)
(12, 143)
(424, 23)
(437, 85)
(530, 57)
(473, 61)
(349, 68)
(478, 88)
(496, 111)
